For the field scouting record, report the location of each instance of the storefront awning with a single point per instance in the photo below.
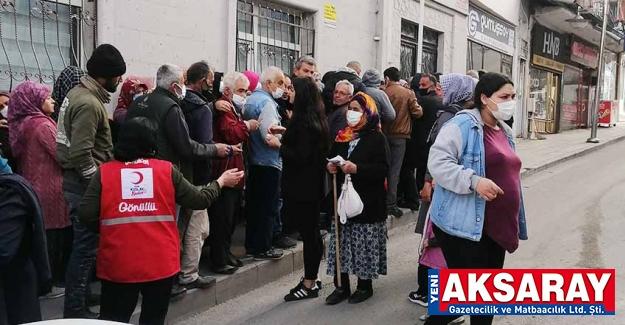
(555, 18)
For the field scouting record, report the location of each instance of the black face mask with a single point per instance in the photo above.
(110, 85)
(424, 91)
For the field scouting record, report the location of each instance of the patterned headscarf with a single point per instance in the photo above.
(370, 120)
(26, 112)
(68, 79)
(129, 89)
(457, 88)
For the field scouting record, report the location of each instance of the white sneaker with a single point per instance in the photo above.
(55, 293)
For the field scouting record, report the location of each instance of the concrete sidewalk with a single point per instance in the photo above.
(537, 155)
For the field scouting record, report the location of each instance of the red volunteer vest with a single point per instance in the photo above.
(138, 234)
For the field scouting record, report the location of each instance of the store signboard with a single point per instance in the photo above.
(491, 31)
(584, 54)
(549, 48)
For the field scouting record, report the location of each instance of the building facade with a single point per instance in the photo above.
(553, 66)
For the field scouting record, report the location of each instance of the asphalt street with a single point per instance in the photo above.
(575, 217)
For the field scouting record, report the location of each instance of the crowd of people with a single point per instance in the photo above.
(188, 156)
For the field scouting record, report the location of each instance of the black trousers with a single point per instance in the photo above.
(222, 223)
(304, 216)
(19, 303)
(59, 250)
(120, 299)
(262, 194)
(408, 185)
(465, 254)
(422, 280)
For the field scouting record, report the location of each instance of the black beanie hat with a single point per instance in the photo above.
(106, 62)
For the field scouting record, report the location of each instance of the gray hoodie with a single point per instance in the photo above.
(372, 79)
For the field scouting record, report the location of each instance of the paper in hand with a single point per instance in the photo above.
(338, 160)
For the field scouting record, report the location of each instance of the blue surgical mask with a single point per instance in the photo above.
(136, 96)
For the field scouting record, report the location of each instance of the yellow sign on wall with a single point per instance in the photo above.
(329, 15)
(547, 63)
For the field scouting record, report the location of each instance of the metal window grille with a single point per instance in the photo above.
(271, 35)
(409, 48)
(40, 38)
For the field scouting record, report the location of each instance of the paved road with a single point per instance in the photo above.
(575, 214)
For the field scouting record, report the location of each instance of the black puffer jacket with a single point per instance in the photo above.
(22, 231)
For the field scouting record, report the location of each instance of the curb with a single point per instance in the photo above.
(532, 171)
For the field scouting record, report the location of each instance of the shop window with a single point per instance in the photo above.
(482, 57)
(409, 47)
(272, 35)
(39, 39)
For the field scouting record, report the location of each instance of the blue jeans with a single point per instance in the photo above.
(81, 262)
(277, 225)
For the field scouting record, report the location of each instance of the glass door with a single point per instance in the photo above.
(545, 89)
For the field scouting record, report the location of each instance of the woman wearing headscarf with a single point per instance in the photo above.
(305, 145)
(362, 239)
(477, 208)
(457, 95)
(67, 80)
(131, 89)
(33, 141)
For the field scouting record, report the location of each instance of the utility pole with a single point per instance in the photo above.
(595, 110)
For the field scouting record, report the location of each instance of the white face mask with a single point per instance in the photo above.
(277, 94)
(353, 118)
(505, 110)
(5, 111)
(184, 91)
(238, 100)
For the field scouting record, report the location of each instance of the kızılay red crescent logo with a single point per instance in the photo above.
(522, 292)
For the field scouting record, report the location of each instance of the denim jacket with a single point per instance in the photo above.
(262, 107)
(457, 162)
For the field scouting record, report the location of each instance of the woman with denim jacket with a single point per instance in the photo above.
(477, 206)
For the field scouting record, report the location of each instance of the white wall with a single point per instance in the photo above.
(453, 25)
(506, 9)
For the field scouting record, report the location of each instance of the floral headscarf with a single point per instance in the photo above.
(370, 120)
(26, 112)
(457, 88)
(130, 88)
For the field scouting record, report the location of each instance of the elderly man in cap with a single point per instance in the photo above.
(84, 143)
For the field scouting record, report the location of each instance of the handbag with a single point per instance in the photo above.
(350, 204)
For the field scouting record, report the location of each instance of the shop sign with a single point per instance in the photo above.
(584, 54)
(547, 63)
(491, 31)
(329, 15)
(549, 48)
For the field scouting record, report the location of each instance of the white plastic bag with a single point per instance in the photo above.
(350, 204)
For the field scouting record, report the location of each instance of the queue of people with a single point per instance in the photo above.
(136, 196)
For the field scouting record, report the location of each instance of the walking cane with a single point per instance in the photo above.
(336, 234)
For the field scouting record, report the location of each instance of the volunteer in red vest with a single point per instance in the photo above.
(131, 202)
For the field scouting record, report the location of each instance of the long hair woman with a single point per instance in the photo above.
(477, 206)
(305, 146)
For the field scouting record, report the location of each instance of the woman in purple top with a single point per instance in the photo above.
(477, 207)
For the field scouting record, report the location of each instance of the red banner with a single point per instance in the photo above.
(605, 112)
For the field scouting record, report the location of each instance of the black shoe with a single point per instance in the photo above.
(284, 242)
(360, 296)
(225, 270)
(202, 282)
(318, 282)
(300, 292)
(418, 299)
(177, 292)
(395, 212)
(93, 300)
(409, 205)
(234, 261)
(272, 254)
(338, 296)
